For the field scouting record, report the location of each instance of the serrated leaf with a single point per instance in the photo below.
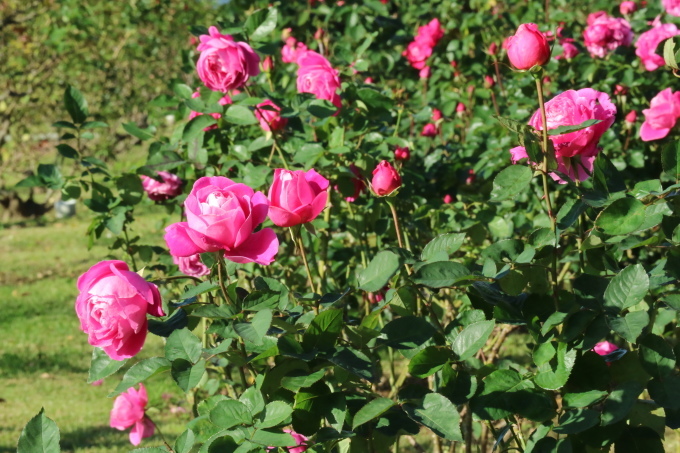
(428, 361)
(323, 331)
(141, 371)
(185, 442)
(182, 344)
(567, 129)
(407, 332)
(441, 274)
(102, 365)
(669, 53)
(437, 413)
(186, 374)
(623, 216)
(472, 338)
(582, 399)
(275, 413)
(510, 182)
(142, 134)
(266, 26)
(630, 326)
(657, 356)
(447, 243)
(75, 104)
(229, 413)
(240, 115)
(372, 410)
(627, 288)
(379, 271)
(40, 435)
(196, 126)
(620, 402)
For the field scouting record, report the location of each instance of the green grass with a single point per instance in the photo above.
(44, 357)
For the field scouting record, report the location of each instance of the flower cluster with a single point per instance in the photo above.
(420, 49)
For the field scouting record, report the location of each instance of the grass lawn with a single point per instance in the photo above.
(44, 357)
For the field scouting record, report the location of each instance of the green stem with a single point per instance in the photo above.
(397, 227)
(297, 236)
(159, 433)
(221, 267)
(127, 248)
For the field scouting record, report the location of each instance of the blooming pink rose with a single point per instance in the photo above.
(171, 186)
(429, 130)
(672, 7)
(225, 100)
(605, 348)
(528, 47)
(292, 50)
(402, 153)
(645, 46)
(112, 308)
(222, 216)
(420, 49)
(571, 108)
(417, 54)
(431, 33)
(661, 115)
(627, 7)
(191, 265)
(225, 64)
(128, 411)
(579, 167)
(385, 179)
(270, 120)
(569, 51)
(604, 34)
(296, 197)
(317, 76)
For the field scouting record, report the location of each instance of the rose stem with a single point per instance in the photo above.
(297, 235)
(127, 248)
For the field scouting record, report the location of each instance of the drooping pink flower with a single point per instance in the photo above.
(269, 116)
(225, 64)
(672, 7)
(222, 216)
(296, 197)
(627, 7)
(112, 308)
(661, 115)
(645, 46)
(528, 47)
(171, 186)
(225, 100)
(604, 34)
(316, 76)
(385, 180)
(292, 50)
(128, 411)
(191, 265)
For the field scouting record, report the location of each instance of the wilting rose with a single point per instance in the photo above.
(270, 116)
(191, 265)
(128, 411)
(627, 7)
(222, 216)
(225, 100)
(385, 179)
(112, 308)
(645, 46)
(316, 76)
(292, 50)
(604, 34)
(225, 64)
(672, 7)
(296, 197)
(661, 115)
(528, 47)
(171, 186)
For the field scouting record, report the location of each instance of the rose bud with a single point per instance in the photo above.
(429, 130)
(488, 81)
(402, 153)
(436, 114)
(425, 73)
(448, 199)
(627, 7)
(385, 179)
(528, 47)
(296, 197)
(471, 177)
(620, 90)
(267, 64)
(493, 48)
(631, 117)
(460, 108)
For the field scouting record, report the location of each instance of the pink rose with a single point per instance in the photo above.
(171, 186)
(488, 81)
(225, 64)
(569, 51)
(296, 197)
(448, 199)
(420, 49)
(571, 108)
(300, 441)
(528, 47)
(604, 34)
(436, 114)
(425, 72)
(493, 48)
(631, 117)
(385, 179)
(431, 33)
(645, 46)
(402, 153)
(578, 167)
(661, 115)
(672, 7)
(429, 130)
(417, 54)
(128, 411)
(225, 100)
(112, 308)
(191, 265)
(270, 117)
(317, 76)
(605, 348)
(267, 64)
(222, 216)
(627, 7)
(292, 50)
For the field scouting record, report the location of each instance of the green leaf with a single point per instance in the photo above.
(130, 189)
(669, 53)
(447, 243)
(65, 124)
(239, 115)
(266, 26)
(569, 212)
(582, 399)
(201, 288)
(407, 332)
(229, 413)
(639, 439)
(142, 134)
(75, 104)
(627, 288)
(102, 365)
(196, 126)
(511, 182)
(187, 375)
(272, 439)
(665, 392)
(472, 338)
(321, 108)
(670, 160)
(657, 356)
(40, 435)
(379, 271)
(553, 379)
(441, 274)
(428, 361)
(567, 129)
(576, 421)
(623, 216)
(295, 383)
(437, 413)
(372, 410)
(323, 330)
(275, 413)
(185, 442)
(620, 402)
(94, 125)
(50, 176)
(630, 326)
(67, 151)
(141, 371)
(182, 344)
(253, 400)
(255, 330)
(374, 99)
(182, 91)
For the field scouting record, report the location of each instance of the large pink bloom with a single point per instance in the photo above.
(112, 308)
(316, 76)
(645, 46)
(171, 186)
(225, 64)
(128, 411)
(672, 7)
(296, 197)
(661, 115)
(571, 108)
(528, 47)
(222, 216)
(191, 265)
(604, 34)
